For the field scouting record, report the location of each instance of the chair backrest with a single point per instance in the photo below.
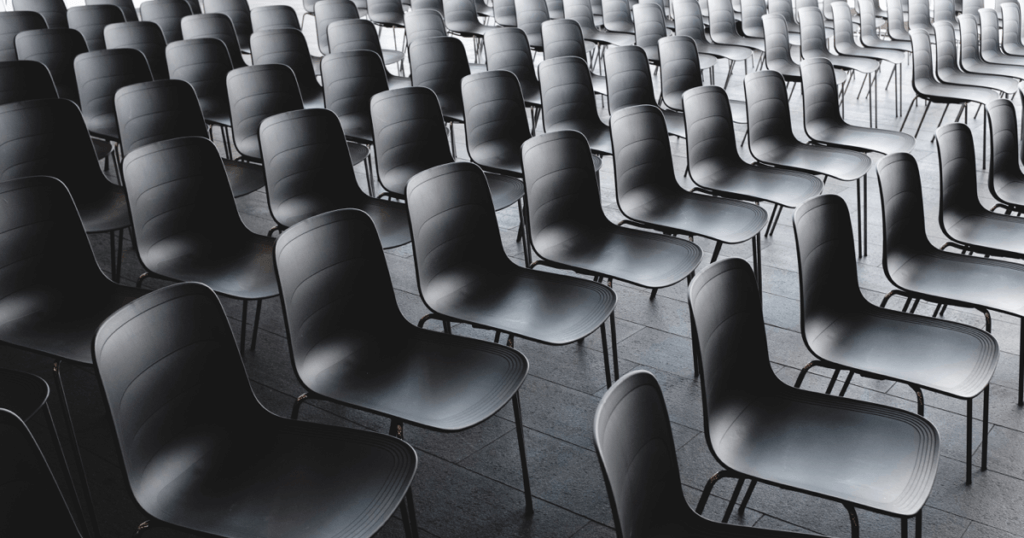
(328, 11)
(454, 229)
(350, 79)
(751, 13)
(944, 10)
(101, 73)
(1005, 155)
(495, 113)
(843, 27)
(784, 9)
(989, 32)
(509, 50)
(903, 231)
(383, 10)
(505, 12)
(924, 72)
(689, 21)
(897, 11)
(812, 33)
(159, 110)
(958, 174)
(971, 7)
(563, 37)
(581, 11)
(567, 91)
(617, 13)
(258, 92)
(680, 66)
(556, 9)
(439, 63)
(56, 49)
(307, 164)
(54, 11)
(768, 117)
(167, 14)
(91, 20)
(776, 44)
(1011, 22)
(273, 17)
(722, 18)
(145, 37)
(35, 506)
(11, 24)
(127, 7)
(423, 23)
(25, 80)
(634, 443)
(648, 24)
(969, 39)
(920, 16)
(710, 139)
(629, 76)
(433, 5)
(408, 135)
(214, 26)
(820, 93)
(205, 64)
(287, 46)
(530, 14)
(945, 47)
(643, 156)
(459, 11)
(355, 34)
(239, 13)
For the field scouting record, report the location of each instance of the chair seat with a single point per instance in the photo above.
(600, 83)
(103, 210)
(880, 54)
(1013, 49)
(392, 56)
(244, 178)
(549, 308)
(505, 190)
(22, 394)
(241, 266)
(729, 52)
(103, 126)
(993, 82)
(866, 454)
(720, 219)
(607, 38)
(674, 101)
(388, 19)
(216, 112)
(993, 284)
(358, 128)
(597, 133)
(426, 378)
(468, 28)
(738, 41)
(990, 231)
(279, 476)
(954, 93)
(941, 356)
(778, 186)
(875, 42)
(860, 138)
(621, 27)
(707, 61)
(395, 82)
(1001, 59)
(985, 68)
(505, 158)
(641, 258)
(1009, 187)
(841, 164)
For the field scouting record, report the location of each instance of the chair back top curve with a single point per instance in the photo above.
(203, 63)
(328, 11)
(495, 113)
(643, 156)
(255, 93)
(958, 173)
(784, 9)
(351, 79)
(629, 76)
(239, 13)
(820, 92)
(903, 231)
(56, 49)
(167, 14)
(424, 23)
(710, 138)
(215, 26)
(11, 24)
(23, 80)
(722, 18)
(843, 26)
(408, 135)
(776, 44)
(354, 34)
(567, 91)
(509, 50)
(943, 10)
(1005, 156)
(127, 7)
(91, 20)
(159, 110)
(54, 11)
(768, 118)
(100, 74)
(287, 46)
(143, 36)
(273, 17)
(563, 37)
(680, 66)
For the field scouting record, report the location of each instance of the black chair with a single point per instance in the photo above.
(856, 453)
(971, 59)
(509, 50)
(167, 14)
(846, 332)
(990, 50)
(350, 79)
(436, 381)
(307, 175)
(681, 67)
(919, 17)
(715, 165)
(11, 24)
(777, 56)
(205, 63)
(360, 34)
(1006, 180)
(127, 7)
(166, 109)
(337, 480)
(91, 20)
(196, 214)
(751, 24)
(328, 11)
(496, 124)
(255, 93)
(813, 44)
(216, 26)
(784, 9)
(772, 142)
(56, 49)
(617, 16)
(845, 44)
(920, 271)
(239, 13)
(287, 46)
(564, 37)
(409, 137)
(439, 64)
(568, 102)
(637, 452)
(947, 69)
(629, 82)
(273, 17)
(422, 24)
(582, 11)
(145, 37)
(25, 80)
(690, 23)
(54, 11)
(385, 13)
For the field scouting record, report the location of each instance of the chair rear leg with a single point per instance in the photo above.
(854, 522)
(93, 524)
(518, 411)
(746, 498)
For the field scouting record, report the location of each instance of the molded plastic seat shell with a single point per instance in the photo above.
(127, 7)
(54, 11)
(287, 46)
(167, 14)
(509, 50)
(239, 13)
(11, 24)
(145, 37)
(91, 20)
(350, 79)
(100, 74)
(568, 102)
(216, 26)
(256, 93)
(1006, 180)
(204, 63)
(24, 81)
(56, 49)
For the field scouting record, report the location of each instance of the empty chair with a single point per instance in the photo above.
(680, 71)
(582, 11)
(145, 37)
(164, 109)
(361, 35)
(723, 27)
(215, 26)
(255, 93)
(167, 14)
(1006, 180)
(784, 9)
(777, 46)
(439, 63)
(845, 45)
(860, 454)
(239, 13)
(424, 23)
(869, 36)
(649, 21)
(385, 13)
(273, 17)
(813, 45)
(422, 5)
(568, 102)
(56, 49)
(1011, 41)
(919, 17)
(351, 481)
(11, 24)
(970, 53)
(947, 68)
(690, 23)
(461, 18)
(629, 83)
(308, 174)
(100, 74)
(563, 37)
(54, 11)
(990, 50)
(204, 63)
(91, 20)
(328, 11)
(127, 7)
(496, 124)
(616, 16)
(25, 80)
(972, 7)
(350, 79)
(509, 50)
(287, 46)
(530, 15)
(505, 12)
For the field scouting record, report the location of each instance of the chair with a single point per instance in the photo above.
(216, 26)
(1011, 29)
(424, 23)
(328, 11)
(308, 176)
(972, 8)
(100, 74)
(461, 18)
(784, 9)
(869, 36)
(990, 50)
(716, 167)
(568, 102)
(919, 17)
(145, 37)
(439, 64)
(629, 83)
(409, 137)
(255, 93)
(350, 80)
(563, 37)
(205, 63)
(649, 22)
(504, 12)
(689, 23)
(337, 480)
(360, 34)
(970, 53)
(91, 20)
(530, 15)
(287, 46)
(920, 271)
(813, 45)
(567, 228)
(616, 16)
(54, 11)
(723, 27)
(1006, 180)
(947, 68)
(845, 45)
(25, 80)
(846, 332)
(437, 381)
(239, 13)
(777, 56)
(11, 24)
(56, 49)
(433, 5)
(274, 17)
(165, 109)
(772, 142)
(508, 50)
(898, 12)
(944, 11)
(385, 13)
(167, 14)
(127, 7)
(859, 454)
(582, 11)
(751, 24)
(681, 67)
(496, 125)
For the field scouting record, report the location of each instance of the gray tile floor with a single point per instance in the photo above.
(468, 483)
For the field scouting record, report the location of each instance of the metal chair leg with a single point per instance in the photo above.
(256, 324)
(970, 435)
(746, 498)
(245, 316)
(517, 410)
(298, 403)
(604, 348)
(854, 522)
(724, 473)
(732, 500)
(91, 516)
(804, 370)
(984, 431)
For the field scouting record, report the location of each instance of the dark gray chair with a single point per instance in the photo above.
(91, 20)
(167, 14)
(629, 83)
(205, 63)
(328, 11)
(239, 13)
(255, 93)
(287, 46)
(57, 50)
(25, 80)
(564, 37)
(11, 24)
(568, 102)
(214, 26)
(127, 7)
(54, 11)
(273, 17)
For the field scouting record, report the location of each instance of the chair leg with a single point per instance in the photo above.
(48, 415)
(832, 382)
(732, 500)
(607, 367)
(984, 431)
(804, 370)
(256, 324)
(518, 411)
(298, 403)
(245, 318)
(854, 523)
(970, 435)
(91, 516)
(724, 473)
(714, 253)
(746, 498)
(903, 528)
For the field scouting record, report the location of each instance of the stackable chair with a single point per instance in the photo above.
(947, 69)
(409, 137)
(11, 24)
(971, 57)
(681, 67)
(723, 27)
(127, 7)
(690, 23)
(582, 11)
(385, 13)
(461, 18)
(772, 142)
(846, 332)
(530, 15)
(287, 46)
(869, 33)
(167, 14)
(751, 23)
(919, 271)
(813, 45)
(56, 49)
(777, 46)
(145, 37)
(360, 34)
(990, 50)
(25, 80)
(784, 9)
(54, 11)
(255, 93)
(307, 175)
(845, 45)
(897, 12)
(649, 20)
(91, 20)
(216, 26)
(973, 7)
(919, 17)
(715, 165)
(1011, 41)
(328, 11)
(437, 381)
(423, 23)
(616, 16)
(166, 109)
(350, 80)
(196, 213)
(1006, 180)
(272, 17)
(629, 80)
(439, 64)
(504, 12)
(239, 13)
(568, 102)
(496, 124)
(337, 480)
(456, 243)
(508, 50)
(563, 37)
(567, 228)
(859, 454)
(205, 63)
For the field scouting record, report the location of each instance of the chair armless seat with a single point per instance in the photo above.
(440, 63)
(616, 16)
(813, 44)
(287, 46)
(91, 20)
(1011, 42)
(351, 78)
(11, 24)
(204, 63)
(24, 80)
(57, 50)
(564, 37)
(568, 101)
(360, 34)
(496, 125)
(100, 75)
(690, 23)
(869, 36)
(990, 49)
(327, 12)
(54, 11)
(1006, 180)
(216, 26)
(509, 50)
(723, 27)
(167, 14)
(461, 18)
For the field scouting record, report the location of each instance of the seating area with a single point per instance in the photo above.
(511, 268)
